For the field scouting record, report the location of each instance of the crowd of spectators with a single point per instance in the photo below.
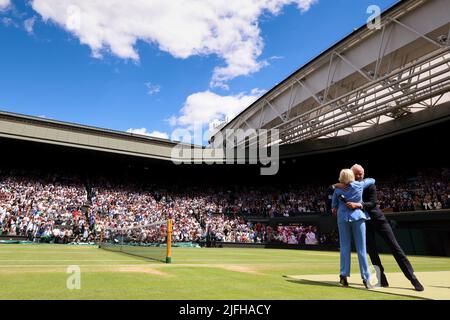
(428, 190)
(62, 208)
(274, 201)
(42, 207)
(297, 235)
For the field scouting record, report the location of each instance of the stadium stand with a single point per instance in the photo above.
(63, 208)
(61, 194)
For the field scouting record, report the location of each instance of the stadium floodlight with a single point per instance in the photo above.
(347, 107)
(313, 123)
(398, 112)
(405, 87)
(443, 39)
(152, 241)
(354, 108)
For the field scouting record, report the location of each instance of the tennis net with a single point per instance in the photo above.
(152, 241)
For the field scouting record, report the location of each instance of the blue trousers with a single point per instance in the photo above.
(358, 229)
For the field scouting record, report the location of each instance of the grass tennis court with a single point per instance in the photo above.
(40, 272)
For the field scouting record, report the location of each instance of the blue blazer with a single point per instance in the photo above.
(352, 194)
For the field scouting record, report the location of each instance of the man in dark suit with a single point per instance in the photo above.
(378, 223)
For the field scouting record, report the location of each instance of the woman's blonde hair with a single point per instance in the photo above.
(346, 176)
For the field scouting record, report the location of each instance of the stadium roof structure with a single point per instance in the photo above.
(373, 76)
(43, 130)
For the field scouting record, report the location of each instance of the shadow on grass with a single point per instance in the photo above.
(314, 283)
(139, 257)
(328, 284)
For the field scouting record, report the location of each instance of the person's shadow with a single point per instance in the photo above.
(312, 283)
(327, 284)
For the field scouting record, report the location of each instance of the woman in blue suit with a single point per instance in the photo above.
(351, 221)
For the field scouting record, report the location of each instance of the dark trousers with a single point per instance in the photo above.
(383, 228)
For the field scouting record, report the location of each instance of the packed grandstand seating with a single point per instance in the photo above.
(66, 208)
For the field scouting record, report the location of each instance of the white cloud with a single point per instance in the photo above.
(152, 88)
(159, 134)
(4, 4)
(204, 108)
(276, 58)
(172, 121)
(7, 22)
(184, 28)
(143, 131)
(29, 24)
(257, 92)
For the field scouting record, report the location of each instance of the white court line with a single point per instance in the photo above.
(51, 252)
(205, 265)
(80, 265)
(43, 260)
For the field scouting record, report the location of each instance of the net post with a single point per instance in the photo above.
(169, 241)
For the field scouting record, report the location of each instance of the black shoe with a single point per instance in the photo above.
(417, 285)
(343, 281)
(384, 283)
(365, 284)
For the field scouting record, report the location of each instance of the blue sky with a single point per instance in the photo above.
(163, 65)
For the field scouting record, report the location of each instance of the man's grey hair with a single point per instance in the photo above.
(356, 166)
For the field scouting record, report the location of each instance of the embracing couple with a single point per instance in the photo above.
(355, 204)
